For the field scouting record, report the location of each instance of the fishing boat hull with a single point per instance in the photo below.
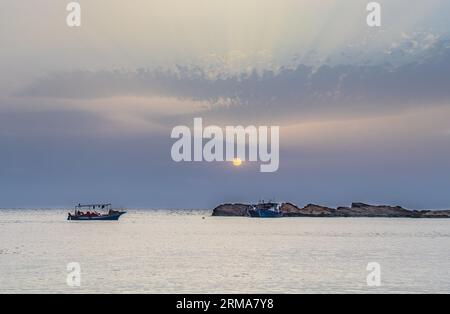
(264, 213)
(108, 217)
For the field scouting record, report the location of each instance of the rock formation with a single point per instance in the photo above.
(231, 210)
(356, 210)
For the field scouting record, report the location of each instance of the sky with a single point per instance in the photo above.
(86, 113)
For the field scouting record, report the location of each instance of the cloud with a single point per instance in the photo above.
(301, 90)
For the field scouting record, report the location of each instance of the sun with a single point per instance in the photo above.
(237, 162)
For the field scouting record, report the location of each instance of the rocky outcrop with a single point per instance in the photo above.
(365, 210)
(231, 210)
(310, 210)
(356, 210)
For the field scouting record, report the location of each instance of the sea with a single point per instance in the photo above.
(189, 251)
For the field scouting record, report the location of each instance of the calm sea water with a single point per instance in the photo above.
(150, 251)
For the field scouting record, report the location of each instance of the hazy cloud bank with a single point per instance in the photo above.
(301, 90)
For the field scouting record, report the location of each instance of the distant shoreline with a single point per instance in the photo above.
(355, 210)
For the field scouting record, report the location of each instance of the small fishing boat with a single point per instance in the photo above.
(89, 212)
(265, 210)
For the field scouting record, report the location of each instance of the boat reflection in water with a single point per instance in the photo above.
(89, 212)
(265, 210)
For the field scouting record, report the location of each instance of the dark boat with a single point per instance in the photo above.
(265, 210)
(89, 212)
